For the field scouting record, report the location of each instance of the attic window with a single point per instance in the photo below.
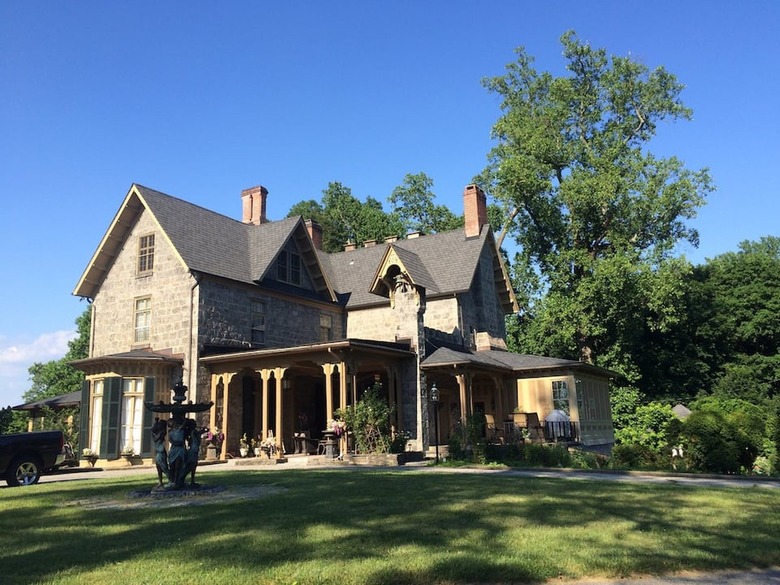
(288, 267)
(145, 254)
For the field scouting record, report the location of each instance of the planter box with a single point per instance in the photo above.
(378, 459)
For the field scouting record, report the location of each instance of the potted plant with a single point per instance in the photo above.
(90, 456)
(213, 440)
(256, 446)
(243, 446)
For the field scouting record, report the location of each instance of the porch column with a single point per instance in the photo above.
(227, 378)
(464, 386)
(342, 384)
(279, 375)
(392, 394)
(265, 375)
(328, 369)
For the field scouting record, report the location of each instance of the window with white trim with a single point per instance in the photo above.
(560, 396)
(145, 254)
(142, 319)
(97, 416)
(132, 414)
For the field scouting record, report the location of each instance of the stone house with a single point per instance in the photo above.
(253, 316)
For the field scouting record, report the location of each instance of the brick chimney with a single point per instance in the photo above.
(315, 233)
(474, 210)
(253, 202)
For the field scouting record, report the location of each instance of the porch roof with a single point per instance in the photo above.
(55, 402)
(136, 355)
(505, 361)
(400, 350)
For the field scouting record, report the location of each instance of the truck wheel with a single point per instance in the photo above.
(23, 471)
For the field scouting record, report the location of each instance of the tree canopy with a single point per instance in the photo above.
(414, 204)
(595, 214)
(345, 218)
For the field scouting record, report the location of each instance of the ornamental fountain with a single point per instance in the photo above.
(184, 436)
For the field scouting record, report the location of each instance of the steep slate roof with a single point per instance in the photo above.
(445, 262)
(211, 243)
(205, 241)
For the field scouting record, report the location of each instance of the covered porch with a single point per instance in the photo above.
(291, 394)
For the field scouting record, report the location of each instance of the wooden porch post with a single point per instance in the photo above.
(328, 370)
(342, 384)
(264, 376)
(279, 375)
(226, 380)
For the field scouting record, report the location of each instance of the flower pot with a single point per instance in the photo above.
(258, 451)
(244, 451)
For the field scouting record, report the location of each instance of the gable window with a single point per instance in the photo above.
(257, 319)
(560, 395)
(288, 267)
(326, 327)
(142, 319)
(145, 254)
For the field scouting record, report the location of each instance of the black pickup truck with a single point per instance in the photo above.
(25, 456)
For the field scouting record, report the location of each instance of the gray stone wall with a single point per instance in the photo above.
(225, 318)
(168, 286)
(480, 307)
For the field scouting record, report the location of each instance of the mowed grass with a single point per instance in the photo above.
(381, 528)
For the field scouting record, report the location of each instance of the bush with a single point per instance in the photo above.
(724, 436)
(508, 454)
(586, 460)
(635, 457)
(547, 456)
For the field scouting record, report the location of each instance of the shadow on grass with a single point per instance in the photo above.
(383, 527)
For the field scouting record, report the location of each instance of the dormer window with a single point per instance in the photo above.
(145, 254)
(288, 267)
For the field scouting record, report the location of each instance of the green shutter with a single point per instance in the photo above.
(109, 434)
(148, 417)
(83, 418)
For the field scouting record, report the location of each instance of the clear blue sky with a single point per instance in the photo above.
(203, 99)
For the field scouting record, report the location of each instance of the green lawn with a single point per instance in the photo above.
(380, 527)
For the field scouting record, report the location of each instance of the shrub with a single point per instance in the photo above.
(634, 457)
(724, 436)
(586, 460)
(547, 456)
(511, 453)
(369, 420)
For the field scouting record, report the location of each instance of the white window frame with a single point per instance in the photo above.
(131, 429)
(142, 319)
(96, 422)
(145, 254)
(559, 387)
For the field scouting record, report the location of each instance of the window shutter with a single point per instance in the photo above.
(109, 434)
(148, 417)
(83, 418)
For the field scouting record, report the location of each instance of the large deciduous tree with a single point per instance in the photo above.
(413, 203)
(595, 214)
(344, 218)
